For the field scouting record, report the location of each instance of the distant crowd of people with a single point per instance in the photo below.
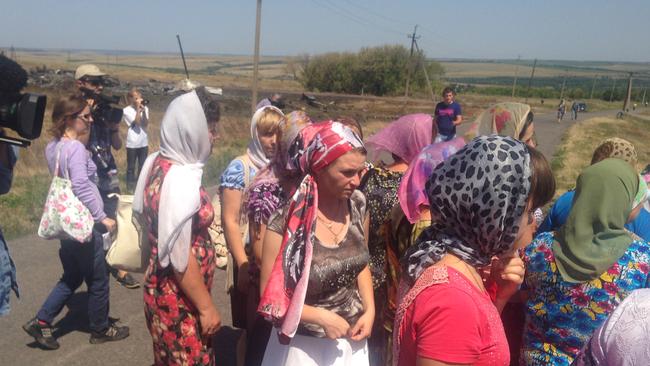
(413, 246)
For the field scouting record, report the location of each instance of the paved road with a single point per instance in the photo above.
(39, 268)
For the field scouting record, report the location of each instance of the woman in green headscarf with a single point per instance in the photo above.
(577, 276)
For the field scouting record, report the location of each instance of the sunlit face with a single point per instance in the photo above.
(342, 177)
(80, 122)
(527, 227)
(449, 98)
(269, 144)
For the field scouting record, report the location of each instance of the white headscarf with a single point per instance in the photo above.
(623, 338)
(184, 139)
(255, 151)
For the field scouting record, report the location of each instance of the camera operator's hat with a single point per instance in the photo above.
(88, 70)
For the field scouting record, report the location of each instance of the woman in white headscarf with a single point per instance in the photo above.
(236, 179)
(177, 212)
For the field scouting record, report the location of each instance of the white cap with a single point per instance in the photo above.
(87, 70)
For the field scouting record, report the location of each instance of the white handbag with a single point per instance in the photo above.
(64, 215)
(130, 250)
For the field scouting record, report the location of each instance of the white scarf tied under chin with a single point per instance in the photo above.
(185, 140)
(255, 151)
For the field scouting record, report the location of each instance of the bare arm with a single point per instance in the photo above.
(191, 283)
(458, 120)
(230, 215)
(116, 141)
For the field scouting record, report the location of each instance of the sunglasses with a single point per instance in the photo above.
(94, 81)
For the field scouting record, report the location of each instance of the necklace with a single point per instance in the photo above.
(329, 224)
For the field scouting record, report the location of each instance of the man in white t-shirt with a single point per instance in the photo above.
(136, 117)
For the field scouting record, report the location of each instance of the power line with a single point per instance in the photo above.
(329, 6)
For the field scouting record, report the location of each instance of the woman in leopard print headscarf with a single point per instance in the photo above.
(481, 202)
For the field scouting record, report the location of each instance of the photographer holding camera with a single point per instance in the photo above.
(136, 117)
(104, 136)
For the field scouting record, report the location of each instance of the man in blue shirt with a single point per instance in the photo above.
(447, 116)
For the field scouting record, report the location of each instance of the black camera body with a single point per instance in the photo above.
(20, 112)
(103, 112)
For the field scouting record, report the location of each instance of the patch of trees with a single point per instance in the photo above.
(377, 70)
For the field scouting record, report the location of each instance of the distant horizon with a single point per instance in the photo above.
(177, 52)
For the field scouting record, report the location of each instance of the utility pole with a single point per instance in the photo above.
(256, 57)
(514, 81)
(611, 95)
(628, 96)
(563, 84)
(593, 86)
(413, 38)
(183, 56)
(530, 81)
(644, 90)
(424, 68)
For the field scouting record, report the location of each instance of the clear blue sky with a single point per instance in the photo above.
(546, 29)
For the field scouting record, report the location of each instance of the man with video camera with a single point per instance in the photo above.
(104, 136)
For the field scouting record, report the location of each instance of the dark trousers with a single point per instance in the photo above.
(133, 155)
(82, 262)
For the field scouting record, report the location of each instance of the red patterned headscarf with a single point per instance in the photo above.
(317, 146)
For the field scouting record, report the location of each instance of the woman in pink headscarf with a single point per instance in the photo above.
(398, 143)
(315, 283)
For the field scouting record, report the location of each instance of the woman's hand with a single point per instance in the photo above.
(210, 321)
(109, 224)
(243, 278)
(508, 273)
(363, 327)
(335, 326)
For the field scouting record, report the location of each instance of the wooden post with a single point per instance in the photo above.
(256, 57)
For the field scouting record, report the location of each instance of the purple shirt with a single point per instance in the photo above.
(82, 171)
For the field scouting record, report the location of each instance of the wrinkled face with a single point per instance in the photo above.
(527, 227)
(342, 177)
(449, 98)
(269, 144)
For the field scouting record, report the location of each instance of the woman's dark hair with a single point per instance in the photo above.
(209, 103)
(529, 120)
(65, 107)
(542, 185)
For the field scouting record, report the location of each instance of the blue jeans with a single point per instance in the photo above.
(81, 262)
(444, 138)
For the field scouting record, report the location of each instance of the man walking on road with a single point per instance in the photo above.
(447, 116)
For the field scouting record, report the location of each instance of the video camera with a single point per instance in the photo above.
(22, 113)
(103, 112)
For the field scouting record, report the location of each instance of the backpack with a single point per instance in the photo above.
(215, 230)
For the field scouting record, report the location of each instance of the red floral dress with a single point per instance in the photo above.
(172, 319)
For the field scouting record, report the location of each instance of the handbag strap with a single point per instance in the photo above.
(59, 147)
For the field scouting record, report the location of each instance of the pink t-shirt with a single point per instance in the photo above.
(453, 322)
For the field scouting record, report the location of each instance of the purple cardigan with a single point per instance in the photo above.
(82, 171)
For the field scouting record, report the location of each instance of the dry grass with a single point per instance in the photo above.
(574, 153)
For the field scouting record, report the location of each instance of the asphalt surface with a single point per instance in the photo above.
(39, 268)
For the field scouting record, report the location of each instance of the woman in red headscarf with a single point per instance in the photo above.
(315, 283)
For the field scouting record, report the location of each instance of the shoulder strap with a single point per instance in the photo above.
(59, 147)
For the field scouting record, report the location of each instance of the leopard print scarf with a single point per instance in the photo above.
(477, 197)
